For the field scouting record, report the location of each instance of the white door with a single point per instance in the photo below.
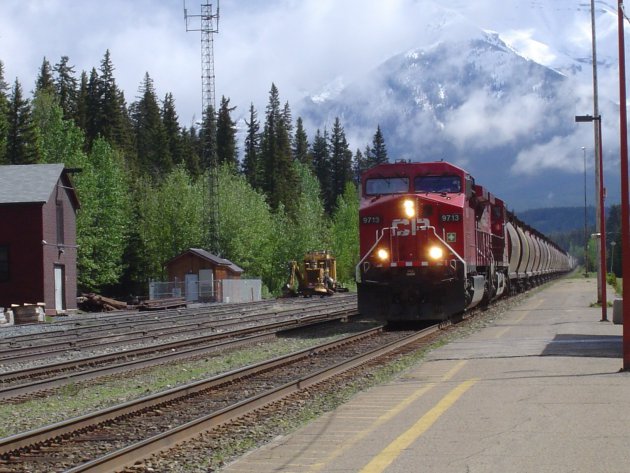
(59, 289)
(192, 287)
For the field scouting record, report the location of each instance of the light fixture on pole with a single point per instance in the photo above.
(601, 269)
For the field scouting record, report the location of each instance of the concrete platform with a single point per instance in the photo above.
(539, 391)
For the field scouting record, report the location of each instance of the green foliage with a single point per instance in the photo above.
(345, 233)
(22, 137)
(171, 218)
(61, 141)
(104, 218)
(248, 231)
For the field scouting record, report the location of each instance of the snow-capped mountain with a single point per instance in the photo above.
(493, 86)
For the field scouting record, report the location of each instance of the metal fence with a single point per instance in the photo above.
(222, 290)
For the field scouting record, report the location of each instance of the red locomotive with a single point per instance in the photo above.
(433, 244)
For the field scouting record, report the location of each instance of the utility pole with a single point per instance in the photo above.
(208, 26)
(600, 212)
(625, 204)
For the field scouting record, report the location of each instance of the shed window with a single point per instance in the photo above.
(4, 263)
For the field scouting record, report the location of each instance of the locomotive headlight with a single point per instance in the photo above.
(410, 208)
(436, 252)
(382, 254)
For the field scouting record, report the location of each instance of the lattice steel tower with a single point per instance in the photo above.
(208, 25)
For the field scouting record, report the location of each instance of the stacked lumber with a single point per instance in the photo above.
(97, 303)
(168, 303)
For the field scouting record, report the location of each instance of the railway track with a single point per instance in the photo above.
(16, 386)
(112, 438)
(23, 348)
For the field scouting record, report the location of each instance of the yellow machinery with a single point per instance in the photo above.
(316, 276)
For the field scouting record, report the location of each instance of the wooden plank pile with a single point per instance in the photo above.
(168, 303)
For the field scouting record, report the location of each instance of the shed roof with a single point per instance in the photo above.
(30, 183)
(212, 258)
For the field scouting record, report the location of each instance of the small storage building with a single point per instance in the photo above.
(38, 249)
(198, 271)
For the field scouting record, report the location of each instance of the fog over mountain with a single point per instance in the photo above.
(494, 86)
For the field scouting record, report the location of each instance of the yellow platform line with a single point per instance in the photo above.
(385, 417)
(394, 449)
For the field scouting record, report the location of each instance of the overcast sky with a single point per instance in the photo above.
(299, 45)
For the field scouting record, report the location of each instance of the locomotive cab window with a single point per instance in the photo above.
(387, 185)
(448, 184)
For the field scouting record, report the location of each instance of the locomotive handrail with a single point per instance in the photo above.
(369, 252)
(449, 247)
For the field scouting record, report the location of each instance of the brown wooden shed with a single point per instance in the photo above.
(199, 270)
(38, 246)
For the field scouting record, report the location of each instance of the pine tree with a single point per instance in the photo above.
(341, 162)
(300, 145)
(151, 140)
(81, 112)
(378, 152)
(359, 165)
(92, 108)
(4, 116)
(251, 160)
(113, 121)
(45, 80)
(226, 135)
(208, 139)
(172, 130)
(321, 163)
(191, 151)
(279, 178)
(22, 146)
(66, 88)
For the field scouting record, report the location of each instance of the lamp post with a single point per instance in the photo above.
(601, 269)
(585, 219)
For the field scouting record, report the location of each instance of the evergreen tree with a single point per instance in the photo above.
(226, 135)
(112, 118)
(172, 130)
(45, 80)
(251, 160)
(92, 108)
(322, 165)
(81, 113)
(151, 140)
(279, 177)
(341, 162)
(378, 151)
(300, 145)
(208, 140)
(4, 116)
(191, 151)
(287, 120)
(22, 140)
(66, 88)
(359, 165)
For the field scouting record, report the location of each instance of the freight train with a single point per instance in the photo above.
(433, 243)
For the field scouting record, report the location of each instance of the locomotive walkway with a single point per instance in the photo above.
(538, 391)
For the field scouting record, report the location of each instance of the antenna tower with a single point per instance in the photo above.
(208, 25)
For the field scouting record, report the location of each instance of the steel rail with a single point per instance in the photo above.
(131, 454)
(15, 355)
(66, 428)
(68, 378)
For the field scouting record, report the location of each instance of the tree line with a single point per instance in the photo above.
(143, 180)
